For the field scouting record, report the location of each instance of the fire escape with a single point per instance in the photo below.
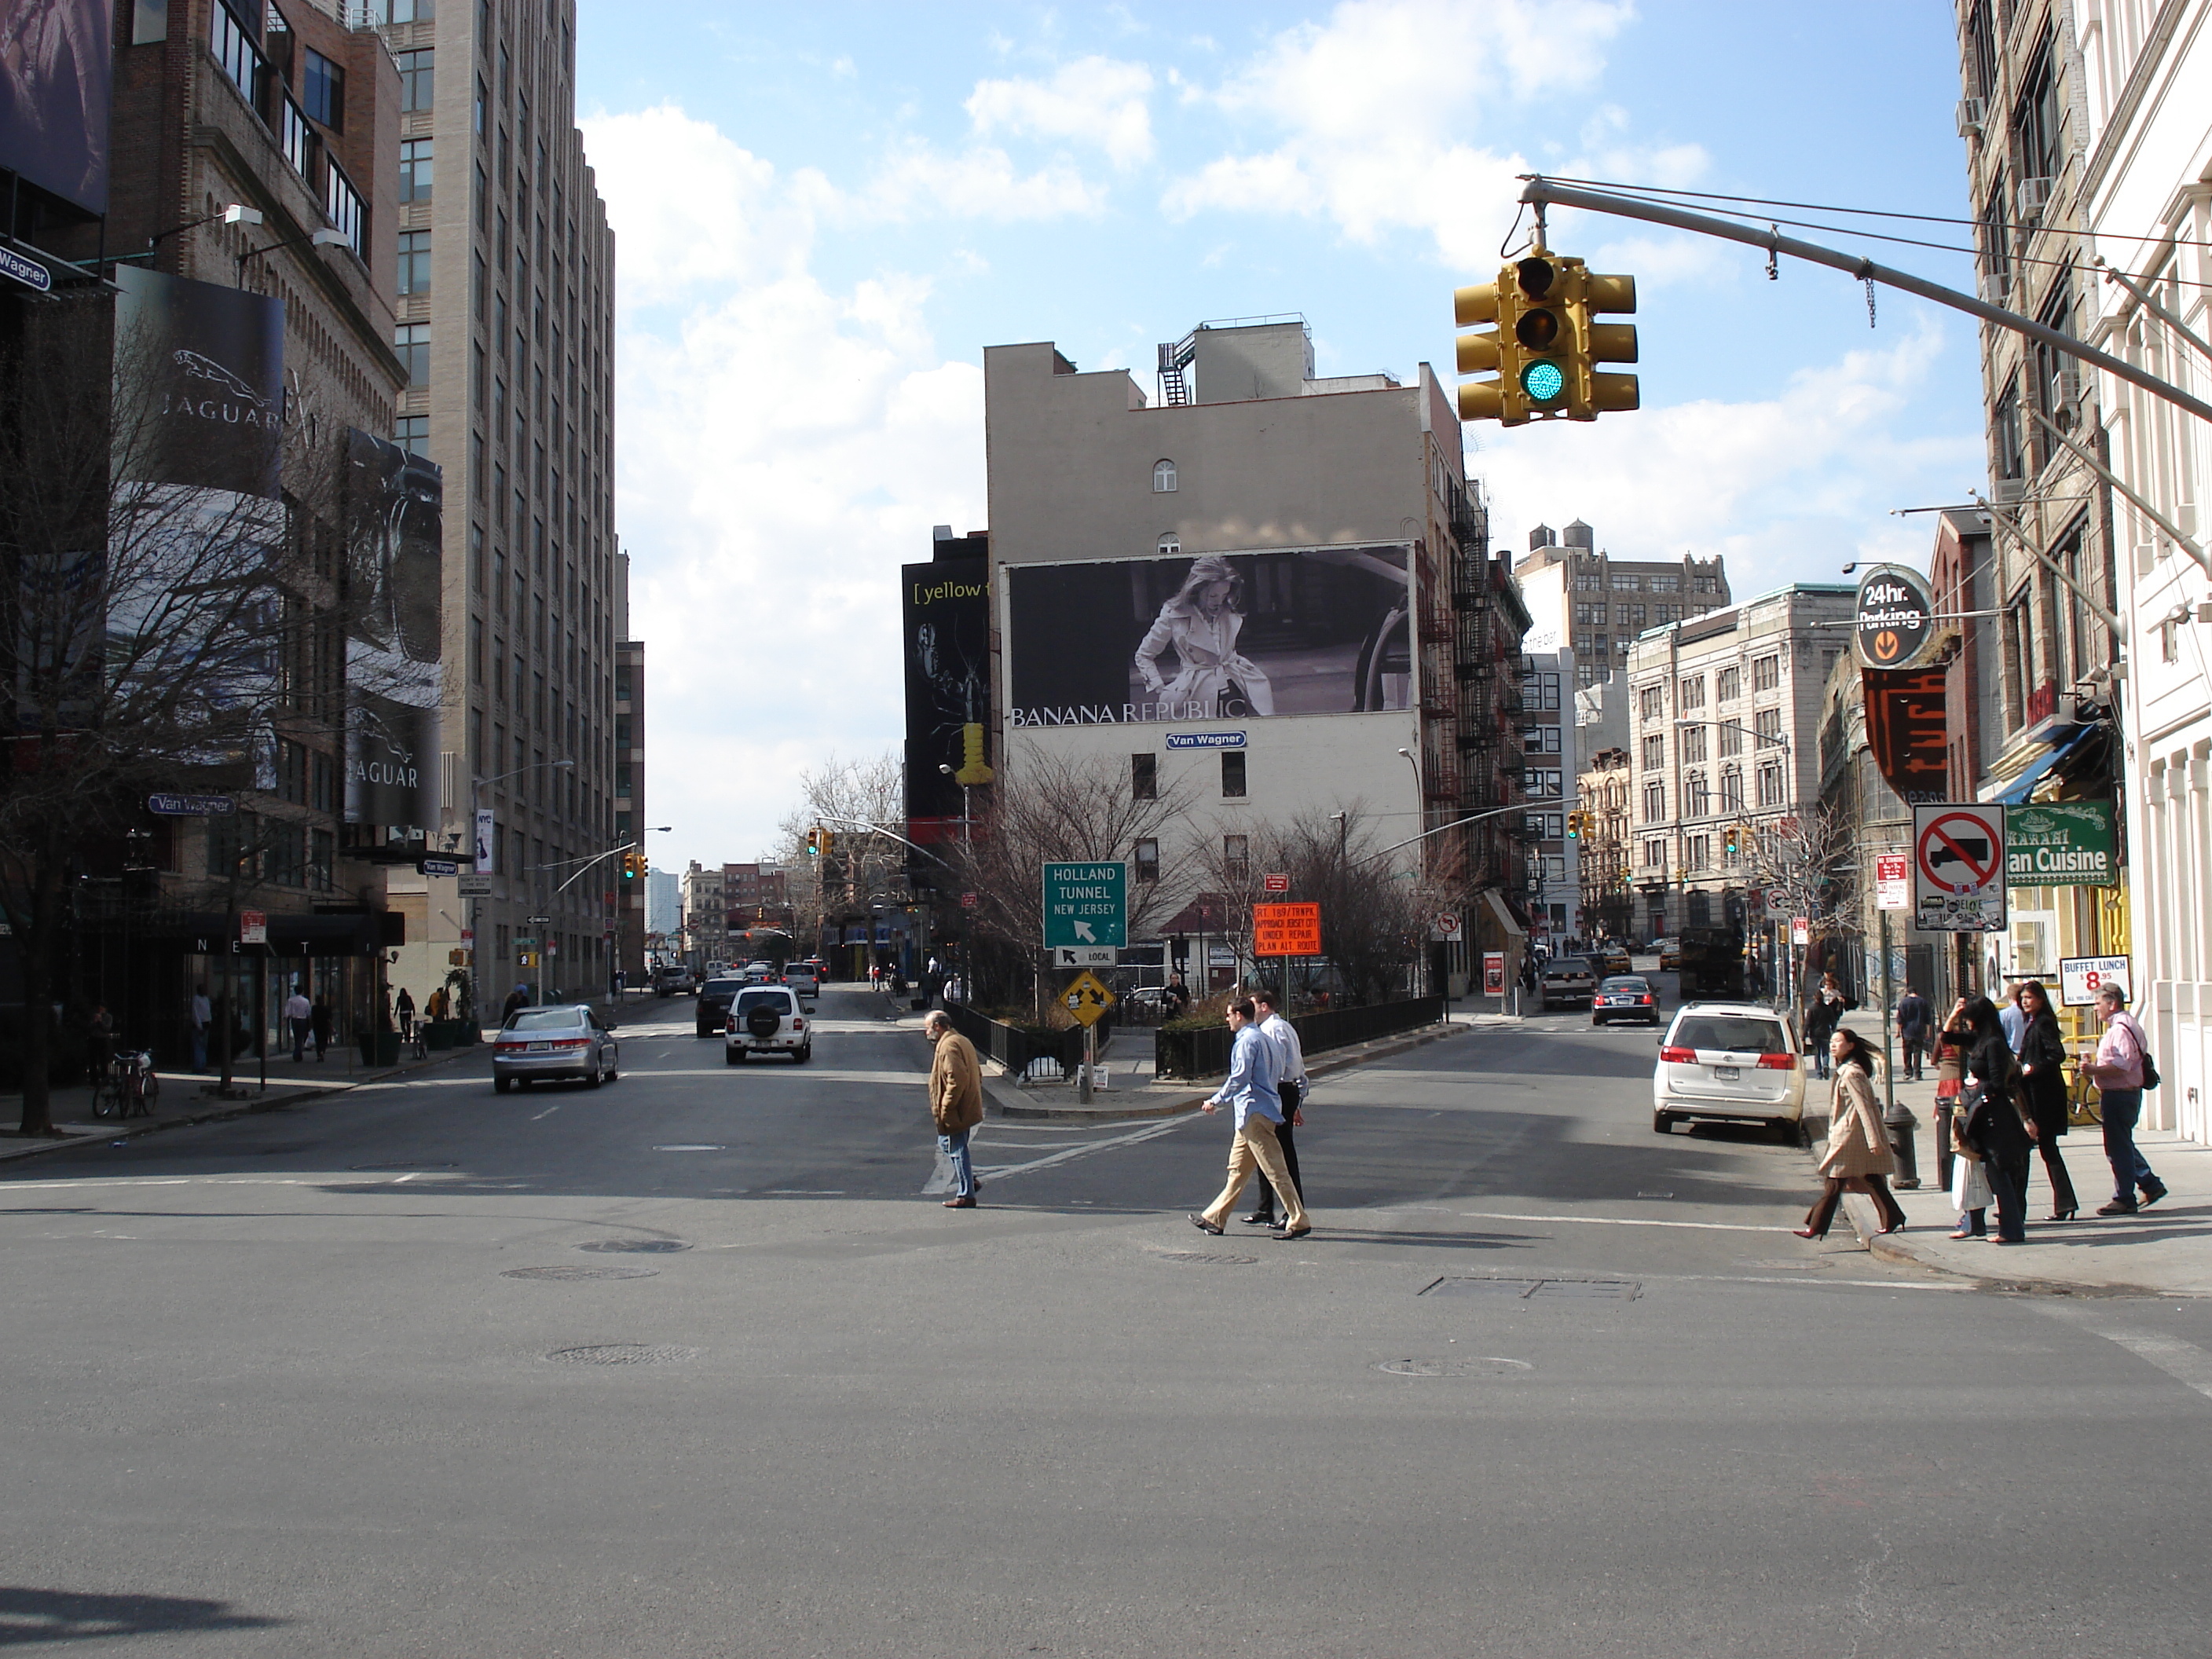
(1486, 671)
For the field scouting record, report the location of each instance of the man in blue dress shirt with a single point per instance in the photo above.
(1255, 1064)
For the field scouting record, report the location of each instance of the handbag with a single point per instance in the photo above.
(1969, 1186)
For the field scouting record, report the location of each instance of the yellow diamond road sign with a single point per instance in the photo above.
(1086, 997)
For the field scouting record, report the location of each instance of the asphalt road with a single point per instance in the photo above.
(1540, 1383)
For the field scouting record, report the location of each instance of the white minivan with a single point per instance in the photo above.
(1729, 1062)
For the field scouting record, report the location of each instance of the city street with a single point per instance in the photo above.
(694, 1364)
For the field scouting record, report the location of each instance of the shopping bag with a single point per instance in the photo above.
(1970, 1185)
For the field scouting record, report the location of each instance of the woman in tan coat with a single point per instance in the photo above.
(1858, 1155)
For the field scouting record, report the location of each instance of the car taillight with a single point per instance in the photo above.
(1777, 1063)
(1646, 1001)
(571, 1043)
(506, 1047)
(1679, 1057)
(798, 1025)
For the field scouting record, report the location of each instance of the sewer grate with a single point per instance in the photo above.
(1488, 1366)
(1209, 1258)
(1595, 1289)
(565, 1273)
(635, 1246)
(625, 1353)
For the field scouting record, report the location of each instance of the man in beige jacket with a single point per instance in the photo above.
(956, 1101)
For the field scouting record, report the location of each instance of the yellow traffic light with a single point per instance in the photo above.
(1480, 354)
(814, 843)
(1544, 346)
(1595, 391)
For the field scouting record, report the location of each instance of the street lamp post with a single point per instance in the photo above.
(476, 798)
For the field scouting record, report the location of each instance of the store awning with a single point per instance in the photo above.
(2022, 787)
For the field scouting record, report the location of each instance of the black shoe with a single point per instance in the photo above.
(2117, 1206)
(1205, 1226)
(1286, 1237)
(2152, 1192)
(1258, 1218)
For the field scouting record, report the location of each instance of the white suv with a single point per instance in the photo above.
(1732, 1062)
(767, 1019)
(801, 978)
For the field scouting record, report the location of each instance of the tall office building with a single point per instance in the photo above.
(1582, 599)
(504, 298)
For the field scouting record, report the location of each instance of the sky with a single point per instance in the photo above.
(823, 214)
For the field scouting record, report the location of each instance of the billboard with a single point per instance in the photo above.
(55, 73)
(394, 508)
(944, 631)
(1239, 636)
(200, 373)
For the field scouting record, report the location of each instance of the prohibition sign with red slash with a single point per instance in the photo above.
(1964, 839)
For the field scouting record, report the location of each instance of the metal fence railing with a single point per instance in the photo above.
(1204, 1051)
(1013, 1047)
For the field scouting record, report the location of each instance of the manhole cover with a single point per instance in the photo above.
(1602, 1290)
(635, 1246)
(689, 1149)
(625, 1353)
(1489, 1366)
(399, 1166)
(1210, 1258)
(580, 1272)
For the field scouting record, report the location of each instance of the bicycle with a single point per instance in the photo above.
(128, 1088)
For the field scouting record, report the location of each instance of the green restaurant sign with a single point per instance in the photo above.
(2061, 844)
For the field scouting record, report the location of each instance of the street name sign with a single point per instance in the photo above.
(1085, 956)
(1086, 998)
(1893, 882)
(1958, 867)
(29, 273)
(438, 866)
(1086, 904)
(191, 806)
(2079, 978)
(1286, 930)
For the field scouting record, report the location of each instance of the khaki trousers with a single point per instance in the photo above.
(1255, 1145)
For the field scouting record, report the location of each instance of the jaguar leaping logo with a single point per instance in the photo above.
(206, 369)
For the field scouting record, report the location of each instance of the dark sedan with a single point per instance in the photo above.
(1625, 996)
(714, 999)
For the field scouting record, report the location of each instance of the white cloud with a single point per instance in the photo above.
(1092, 100)
(917, 181)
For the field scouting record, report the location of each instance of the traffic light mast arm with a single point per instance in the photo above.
(1494, 812)
(878, 829)
(1539, 190)
(596, 859)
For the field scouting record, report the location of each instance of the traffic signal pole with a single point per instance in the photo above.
(1539, 191)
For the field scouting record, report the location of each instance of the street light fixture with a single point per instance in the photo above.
(475, 797)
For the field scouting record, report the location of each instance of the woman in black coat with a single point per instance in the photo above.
(2043, 1070)
(1995, 1129)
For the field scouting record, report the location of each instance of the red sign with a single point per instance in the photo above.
(1275, 883)
(1960, 852)
(1906, 730)
(252, 927)
(967, 901)
(1286, 930)
(1493, 973)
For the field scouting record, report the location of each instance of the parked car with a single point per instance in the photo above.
(1625, 996)
(543, 1045)
(802, 978)
(767, 1019)
(1568, 979)
(716, 997)
(1731, 1062)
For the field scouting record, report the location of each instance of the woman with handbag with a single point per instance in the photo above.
(1950, 1077)
(1996, 1129)
(1857, 1156)
(2043, 1070)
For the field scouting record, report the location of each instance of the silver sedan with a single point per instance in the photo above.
(545, 1044)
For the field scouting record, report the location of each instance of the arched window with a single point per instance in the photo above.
(1170, 544)
(1164, 478)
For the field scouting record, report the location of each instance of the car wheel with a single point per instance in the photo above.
(1663, 1123)
(592, 1077)
(732, 1056)
(500, 1085)
(802, 1055)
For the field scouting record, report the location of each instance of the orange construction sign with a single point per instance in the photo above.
(1286, 930)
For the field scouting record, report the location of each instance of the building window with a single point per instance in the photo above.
(1147, 850)
(415, 79)
(1665, 584)
(1143, 777)
(1170, 544)
(1693, 739)
(1728, 684)
(412, 342)
(1770, 793)
(413, 262)
(1766, 673)
(415, 168)
(1625, 583)
(1542, 786)
(1700, 852)
(2039, 133)
(1655, 855)
(322, 89)
(1767, 723)
(1232, 776)
(1692, 693)
(1651, 701)
(1655, 752)
(1697, 798)
(1236, 858)
(1997, 239)
(1164, 478)
(1732, 790)
(1655, 803)
(412, 434)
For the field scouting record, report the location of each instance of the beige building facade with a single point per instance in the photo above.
(1582, 599)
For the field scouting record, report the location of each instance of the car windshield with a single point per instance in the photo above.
(1568, 965)
(779, 1001)
(1623, 982)
(545, 1019)
(798, 970)
(1743, 1034)
(724, 987)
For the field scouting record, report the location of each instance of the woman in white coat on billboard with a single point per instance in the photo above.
(1199, 624)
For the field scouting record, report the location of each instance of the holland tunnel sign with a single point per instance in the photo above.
(1086, 904)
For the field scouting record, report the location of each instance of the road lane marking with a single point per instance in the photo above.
(1002, 1172)
(1624, 1221)
(2185, 1361)
(548, 1112)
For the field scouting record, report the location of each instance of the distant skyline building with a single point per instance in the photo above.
(1582, 599)
(664, 903)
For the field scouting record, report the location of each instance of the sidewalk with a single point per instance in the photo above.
(2166, 1250)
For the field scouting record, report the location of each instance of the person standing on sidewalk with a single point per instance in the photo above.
(1254, 1064)
(1823, 1009)
(2043, 1074)
(1291, 1089)
(1914, 1016)
(200, 1014)
(2118, 1071)
(300, 1020)
(1950, 1079)
(955, 1101)
(320, 1022)
(1858, 1155)
(1996, 1129)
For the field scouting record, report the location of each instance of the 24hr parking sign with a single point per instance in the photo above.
(1958, 867)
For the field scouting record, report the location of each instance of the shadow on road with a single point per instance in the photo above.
(52, 1615)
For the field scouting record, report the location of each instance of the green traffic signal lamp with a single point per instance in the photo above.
(1543, 331)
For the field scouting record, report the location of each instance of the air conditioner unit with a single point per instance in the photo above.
(2009, 490)
(1969, 118)
(2033, 196)
(1990, 288)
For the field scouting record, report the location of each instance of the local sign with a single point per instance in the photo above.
(1286, 930)
(1086, 904)
(2079, 978)
(1895, 624)
(1893, 882)
(2061, 844)
(1958, 867)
